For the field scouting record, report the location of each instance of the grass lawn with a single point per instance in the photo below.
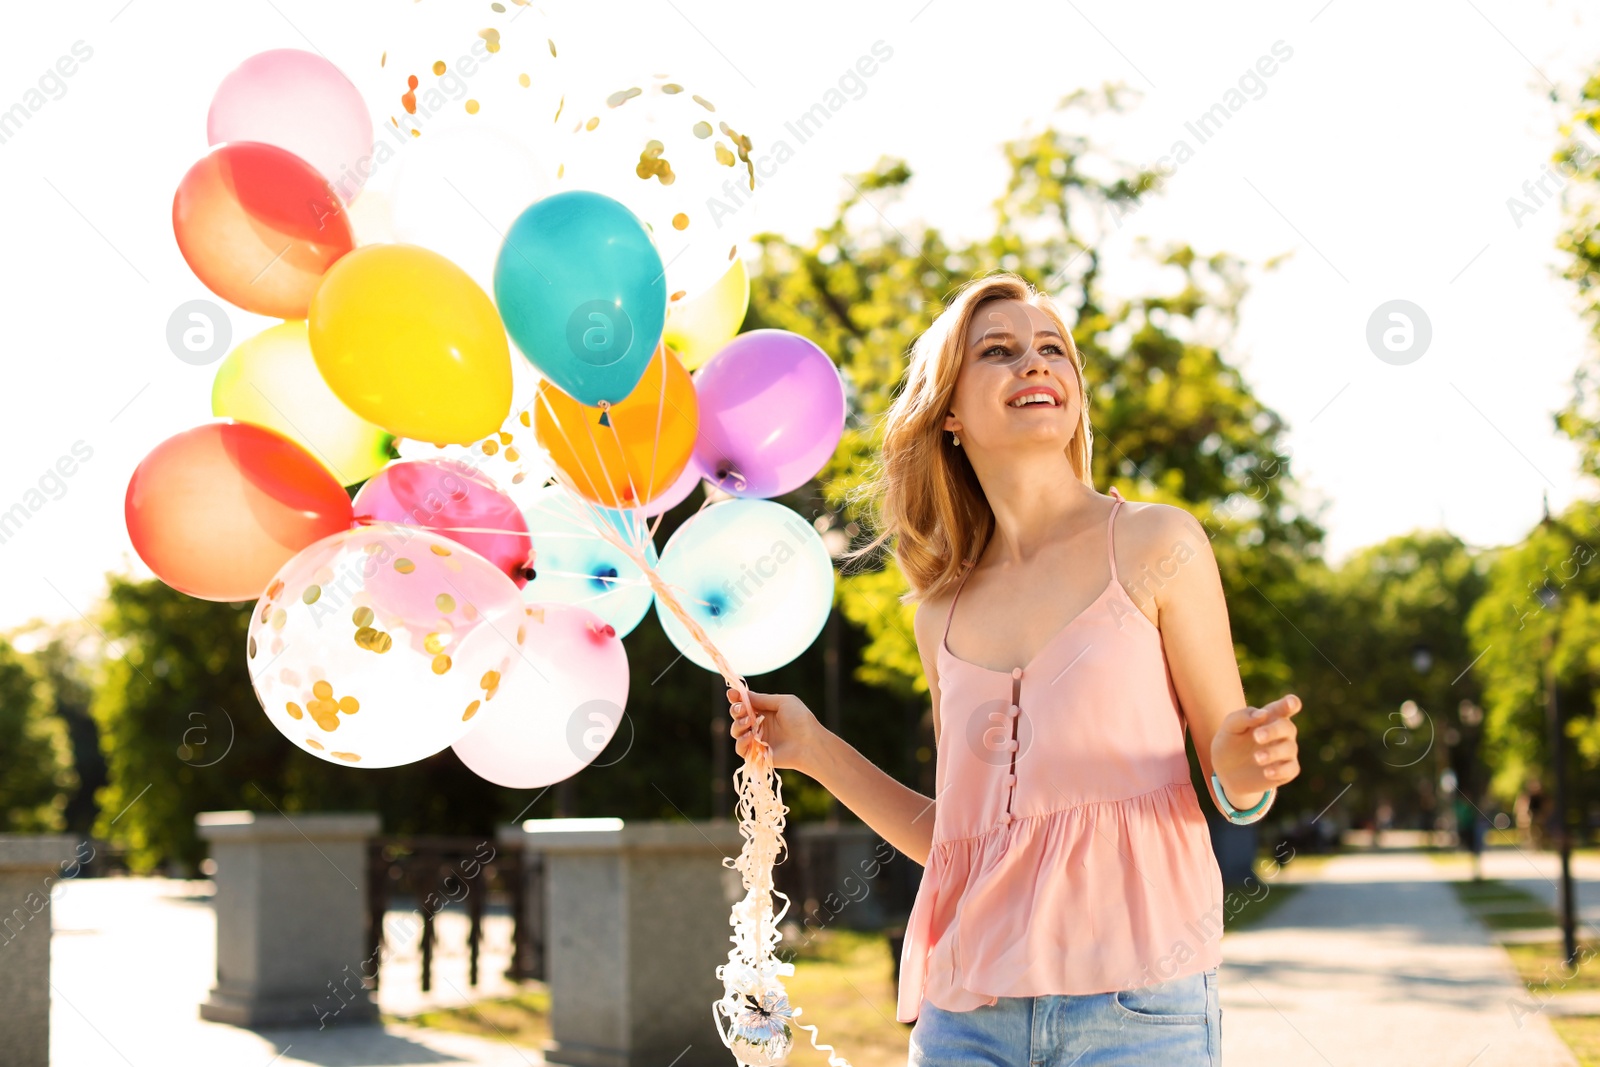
(523, 1019)
(843, 983)
(1582, 1035)
(1245, 908)
(1501, 906)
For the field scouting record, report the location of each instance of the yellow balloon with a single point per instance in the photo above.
(699, 326)
(409, 341)
(272, 381)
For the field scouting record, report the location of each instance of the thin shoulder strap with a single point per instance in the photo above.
(1111, 537)
(966, 565)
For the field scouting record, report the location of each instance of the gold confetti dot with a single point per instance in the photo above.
(672, 88)
(472, 107)
(441, 663)
(680, 221)
(469, 611)
(349, 705)
(317, 708)
(404, 566)
(439, 550)
(266, 612)
(523, 80)
(703, 102)
(522, 633)
(489, 680)
(505, 438)
(349, 756)
(434, 644)
(472, 709)
(384, 60)
(561, 169)
(274, 589)
(523, 418)
(679, 295)
(314, 743)
(252, 648)
(702, 130)
(373, 549)
(622, 96)
(552, 46)
(438, 66)
(279, 617)
(724, 156)
(592, 123)
(416, 132)
(445, 603)
(516, 479)
(499, 7)
(491, 447)
(362, 617)
(373, 640)
(293, 709)
(732, 250)
(322, 690)
(492, 36)
(328, 722)
(559, 107)
(311, 594)
(512, 455)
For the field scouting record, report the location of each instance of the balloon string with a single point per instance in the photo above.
(833, 1060)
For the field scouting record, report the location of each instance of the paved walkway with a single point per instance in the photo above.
(1375, 963)
(133, 958)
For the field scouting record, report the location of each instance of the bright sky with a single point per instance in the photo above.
(1380, 152)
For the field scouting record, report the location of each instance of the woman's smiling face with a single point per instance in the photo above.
(1018, 383)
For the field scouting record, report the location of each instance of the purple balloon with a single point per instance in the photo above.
(771, 413)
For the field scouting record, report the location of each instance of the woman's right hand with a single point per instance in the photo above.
(789, 729)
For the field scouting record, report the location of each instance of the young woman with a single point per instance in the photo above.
(1071, 908)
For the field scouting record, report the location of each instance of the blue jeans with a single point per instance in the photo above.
(1166, 1024)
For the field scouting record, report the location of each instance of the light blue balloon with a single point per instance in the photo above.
(582, 291)
(575, 565)
(755, 576)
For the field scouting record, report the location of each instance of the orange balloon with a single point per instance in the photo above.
(259, 226)
(216, 510)
(643, 450)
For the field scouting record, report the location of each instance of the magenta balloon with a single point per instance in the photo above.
(677, 494)
(771, 413)
(449, 497)
(300, 102)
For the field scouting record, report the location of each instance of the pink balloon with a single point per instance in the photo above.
(450, 498)
(560, 709)
(302, 103)
(679, 492)
(771, 413)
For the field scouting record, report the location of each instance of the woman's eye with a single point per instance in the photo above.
(992, 349)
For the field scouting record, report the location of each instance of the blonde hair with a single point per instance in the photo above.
(921, 490)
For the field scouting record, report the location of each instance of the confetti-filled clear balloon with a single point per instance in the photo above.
(575, 565)
(378, 646)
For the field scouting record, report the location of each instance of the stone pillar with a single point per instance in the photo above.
(29, 865)
(636, 923)
(291, 918)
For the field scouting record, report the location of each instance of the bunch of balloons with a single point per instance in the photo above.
(411, 592)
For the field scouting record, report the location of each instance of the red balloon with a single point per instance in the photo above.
(216, 510)
(259, 226)
(449, 497)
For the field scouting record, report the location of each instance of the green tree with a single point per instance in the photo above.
(37, 775)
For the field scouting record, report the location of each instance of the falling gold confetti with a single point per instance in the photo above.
(445, 603)
(373, 640)
(350, 756)
(314, 743)
(703, 102)
(404, 566)
(492, 36)
(622, 96)
(362, 616)
(438, 66)
(441, 663)
(472, 709)
(680, 221)
(472, 107)
(523, 80)
(311, 594)
(294, 710)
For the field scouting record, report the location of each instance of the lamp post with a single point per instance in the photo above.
(1558, 755)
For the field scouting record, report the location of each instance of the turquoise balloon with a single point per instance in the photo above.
(582, 291)
(755, 576)
(575, 565)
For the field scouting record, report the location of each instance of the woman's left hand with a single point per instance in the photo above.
(1255, 749)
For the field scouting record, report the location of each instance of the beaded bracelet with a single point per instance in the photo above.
(1249, 815)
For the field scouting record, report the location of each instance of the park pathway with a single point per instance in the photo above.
(1374, 963)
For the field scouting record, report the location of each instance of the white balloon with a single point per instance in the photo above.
(560, 710)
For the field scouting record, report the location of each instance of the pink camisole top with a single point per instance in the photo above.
(1070, 854)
